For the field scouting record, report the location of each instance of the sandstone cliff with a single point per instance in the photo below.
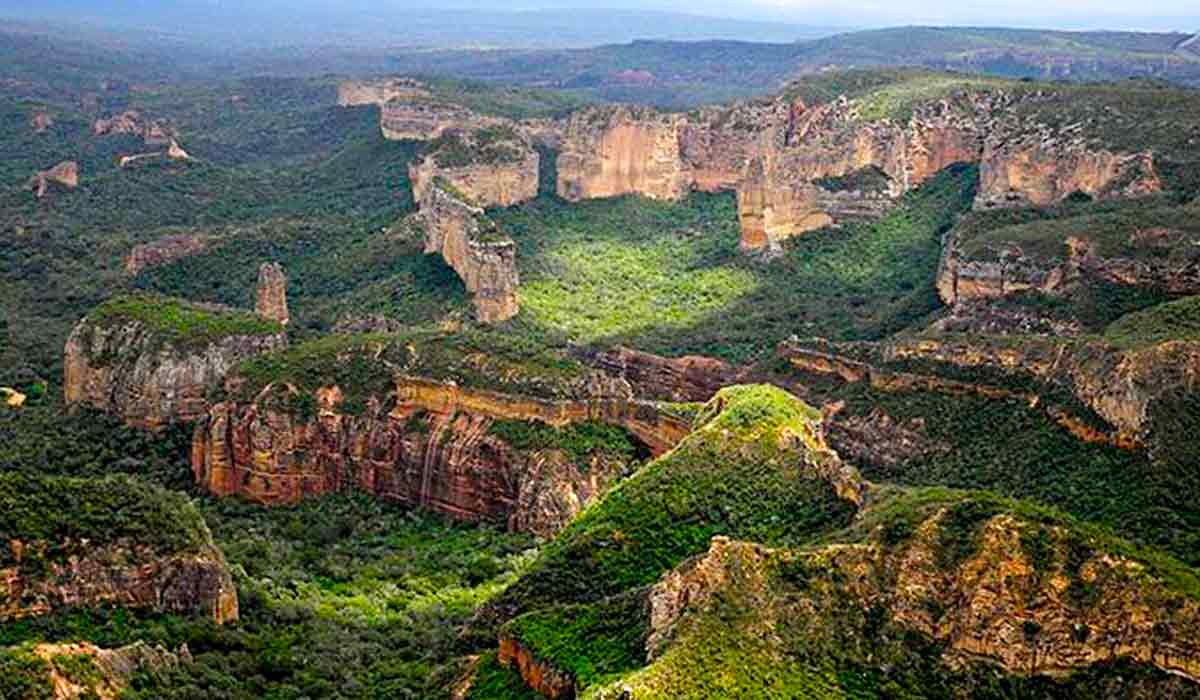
(138, 547)
(471, 243)
(65, 174)
(271, 296)
(164, 251)
(795, 165)
(612, 151)
(132, 122)
(151, 360)
(428, 444)
(1070, 603)
(493, 167)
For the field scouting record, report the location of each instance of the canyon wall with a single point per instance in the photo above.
(146, 375)
(795, 167)
(471, 244)
(430, 445)
(494, 167)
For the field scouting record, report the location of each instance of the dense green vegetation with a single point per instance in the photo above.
(581, 441)
(61, 512)
(1177, 320)
(668, 278)
(732, 477)
(178, 322)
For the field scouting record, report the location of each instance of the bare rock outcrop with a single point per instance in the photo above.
(131, 122)
(97, 673)
(160, 558)
(270, 301)
(472, 244)
(689, 378)
(429, 445)
(129, 358)
(65, 174)
(613, 151)
(1052, 611)
(40, 121)
(354, 93)
(494, 166)
(164, 251)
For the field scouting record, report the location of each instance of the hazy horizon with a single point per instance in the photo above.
(541, 23)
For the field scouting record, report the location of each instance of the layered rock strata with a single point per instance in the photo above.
(794, 165)
(494, 167)
(146, 375)
(471, 244)
(429, 445)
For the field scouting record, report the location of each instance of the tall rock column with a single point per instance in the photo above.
(271, 301)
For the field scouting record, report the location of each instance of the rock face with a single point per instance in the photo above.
(424, 119)
(1156, 258)
(271, 297)
(354, 93)
(690, 378)
(134, 123)
(796, 166)
(108, 671)
(40, 120)
(147, 376)
(493, 167)
(612, 151)
(65, 173)
(996, 604)
(433, 448)
(164, 251)
(472, 244)
(164, 561)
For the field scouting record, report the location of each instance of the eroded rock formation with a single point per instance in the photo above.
(492, 167)
(164, 251)
(40, 120)
(354, 93)
(146, 374)
(132, 122)
(428, 445)
(65, 174)
(797, 167)
(689, 378)
(270, 301)
(472, 244)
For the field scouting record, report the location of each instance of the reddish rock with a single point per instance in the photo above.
(164, 251)
(65, 174)
(271, 296)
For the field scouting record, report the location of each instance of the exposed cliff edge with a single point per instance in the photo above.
(472, 244)
(65, 174)
(919, 588)
(151, 360)
(153, 132)
(493, 167)
(139, 547)
(799, 165)
(426, 443)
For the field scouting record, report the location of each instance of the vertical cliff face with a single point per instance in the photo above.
(424, 119)
(139, 547)
(271, 296)
(472, 244)
(432, 447)
(612, 151)
(128, 358)
(493, 167)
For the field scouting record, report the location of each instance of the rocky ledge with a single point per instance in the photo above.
(150, 360)
(143, 548)
(472, 244)
(493, 167)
